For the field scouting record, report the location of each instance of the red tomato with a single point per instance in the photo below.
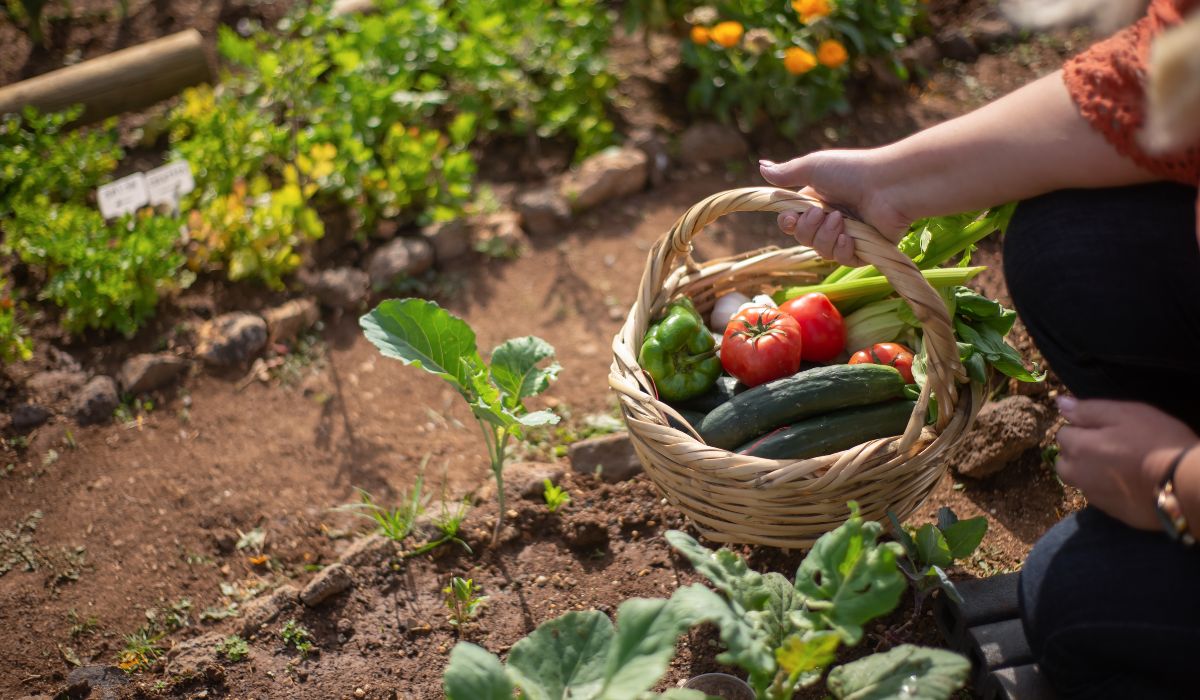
(821, 326)
(892, 354)
(760, 344)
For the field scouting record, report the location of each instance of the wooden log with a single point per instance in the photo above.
(127, 80)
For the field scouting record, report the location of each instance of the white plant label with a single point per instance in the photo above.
(123, 196)
(166, 184)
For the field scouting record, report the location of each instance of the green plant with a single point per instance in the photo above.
(396, 523)
(29, 13)
(233, 648)
(141, 651)
(297, 636)
(788, 62)
(80, 626)
(463, 600)
(932, 548)
(556, 496)
(14, 337)
(422, 334)
(784, 635)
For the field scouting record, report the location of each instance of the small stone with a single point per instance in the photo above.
(28, 416)
(100, 682)
(340, 288)
(288, 320)
(991, 32)
(610, 174)
(528, 478)
(402, 257)
(265, 609)
(231, 339)
(543, 211)
(711, 142)
(1002, 432)
(332, 580)
(195, 655)
(50, 387)
(657, 150)
(612, 456)
(360, 693)
(149, 371)
(96, 401)
(540, 580)
(957, 46)
(450, 239)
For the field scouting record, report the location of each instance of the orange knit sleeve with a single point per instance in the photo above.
(1107, 83)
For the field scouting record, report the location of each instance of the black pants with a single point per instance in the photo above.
(1108, 284)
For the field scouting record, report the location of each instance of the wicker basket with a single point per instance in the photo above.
(784, 503)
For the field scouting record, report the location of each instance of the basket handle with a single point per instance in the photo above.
(869, 244)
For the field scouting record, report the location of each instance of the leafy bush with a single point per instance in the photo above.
(14, 341)
(784, 635)
(784, 61)
(103, 275)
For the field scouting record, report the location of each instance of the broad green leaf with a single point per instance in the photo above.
(946, 517)
(746, 646)
(515, 368)
(964, 536)
(723, 569)
(947, 585)
(563, 655)
(989, 343)
(908, 672)
(774, 621)
(421, 333)
(849, 578)
(475, 674)
(932, 549)
(902, 536)
(537, 418)
(800, 655)
(647, 630)
(977, 307)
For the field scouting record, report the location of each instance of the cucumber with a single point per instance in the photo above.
(832, 432)
(693, 417)
(785, 401)
(725, 389)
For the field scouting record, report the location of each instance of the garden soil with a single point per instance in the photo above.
(140, 522)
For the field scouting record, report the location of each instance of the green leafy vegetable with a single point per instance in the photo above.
(422, 334)
(907, 671)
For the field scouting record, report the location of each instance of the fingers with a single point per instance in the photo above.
(822, 230)
(1092, 413)
(794, 173)
(1070, 440)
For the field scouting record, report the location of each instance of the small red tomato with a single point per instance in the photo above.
(761, 343)
(821, 326)
(891, 354)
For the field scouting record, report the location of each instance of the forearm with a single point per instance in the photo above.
(1027, 143)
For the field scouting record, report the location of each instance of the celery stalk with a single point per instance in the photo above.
(857, 292)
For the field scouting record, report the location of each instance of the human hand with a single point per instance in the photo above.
(1117, 452)
(847, 181)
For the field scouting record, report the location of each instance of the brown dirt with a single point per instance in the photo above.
(157, 504)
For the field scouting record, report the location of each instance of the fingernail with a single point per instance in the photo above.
(1066, 404)
(789, 220)
(766, 164)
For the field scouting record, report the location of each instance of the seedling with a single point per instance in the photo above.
(783, 635)
(396, 523)
(233, 648)
(297, 636)
(931, 549)
(556, 496)
(463, 600)
(422, 334)
(140, 652)
(81, 627)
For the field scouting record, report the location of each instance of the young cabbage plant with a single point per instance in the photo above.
(785, 635)
(931, 549)
(422, 334)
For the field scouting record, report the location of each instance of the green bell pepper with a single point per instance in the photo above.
(680, 353)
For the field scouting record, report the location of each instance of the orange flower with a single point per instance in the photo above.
(798, 61)
(700, 35)
(727, 34)
(810, 10)
(831, 53)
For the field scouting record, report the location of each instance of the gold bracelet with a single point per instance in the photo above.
(1167, 504)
